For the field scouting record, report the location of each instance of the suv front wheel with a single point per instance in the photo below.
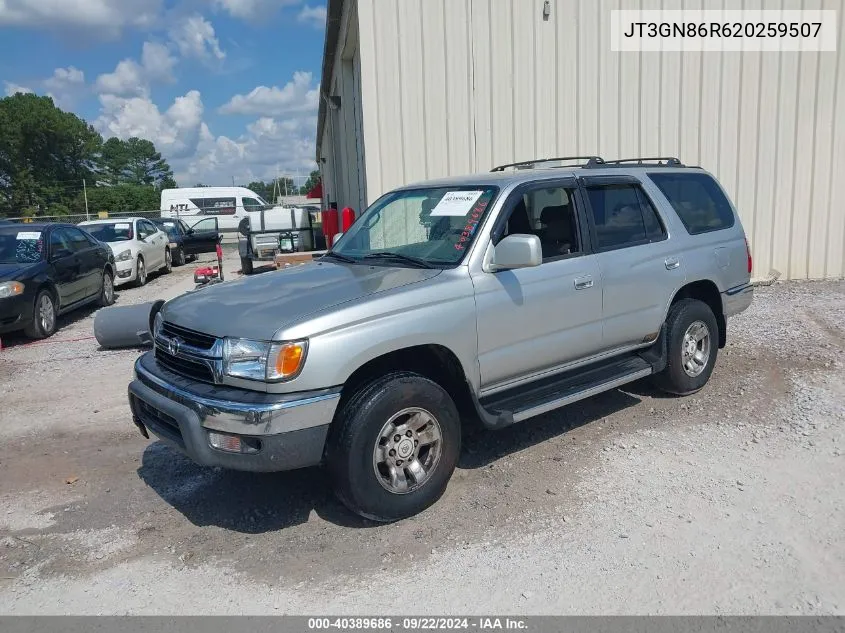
(693, 344)
(394, 447)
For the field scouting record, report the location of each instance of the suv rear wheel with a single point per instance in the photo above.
(394, 447)
(693, 345)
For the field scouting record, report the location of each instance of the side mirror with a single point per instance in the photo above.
(517, 251)
(336, 238)
(191, 231)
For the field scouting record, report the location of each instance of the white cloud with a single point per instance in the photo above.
(175, 132)
(100, 17)
(13, 88)
(195, 38)
(130, 78)
(251, 9)
(297, 96)
(315, 16)
(65, 86)
(267, 148)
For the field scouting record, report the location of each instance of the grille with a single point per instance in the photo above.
(197, 370)
(192, 338)
(158, 422)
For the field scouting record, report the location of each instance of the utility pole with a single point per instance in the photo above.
(85, 192)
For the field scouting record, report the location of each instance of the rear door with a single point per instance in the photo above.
(66, 268)
(154, 244)
(202, 237)
(640, 269)
(90, 272)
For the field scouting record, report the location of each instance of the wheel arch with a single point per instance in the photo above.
(706, 291)
(436, 362)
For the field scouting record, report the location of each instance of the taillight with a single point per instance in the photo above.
(748, 252)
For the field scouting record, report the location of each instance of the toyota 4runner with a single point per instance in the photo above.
(490, 298)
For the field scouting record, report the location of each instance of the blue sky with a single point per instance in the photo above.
(224, 88)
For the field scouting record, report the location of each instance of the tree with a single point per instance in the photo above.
(145, 165)
(124, 197)
(270, 190)
(45, 154)
(313, 178)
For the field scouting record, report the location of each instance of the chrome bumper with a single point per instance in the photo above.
(238, 411)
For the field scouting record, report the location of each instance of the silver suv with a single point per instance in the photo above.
(490, 298)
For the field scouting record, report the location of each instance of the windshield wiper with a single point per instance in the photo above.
(343, 258)
(416, 261)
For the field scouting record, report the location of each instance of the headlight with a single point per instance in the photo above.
(259, 360)
(124, 256)
(10, 289)
(158, 321)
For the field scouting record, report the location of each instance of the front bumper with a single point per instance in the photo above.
(125, 272)
(737, 299)
(288, 429)
(15, 313)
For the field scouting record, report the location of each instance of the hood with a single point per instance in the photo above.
(17, 272)
(257, 306)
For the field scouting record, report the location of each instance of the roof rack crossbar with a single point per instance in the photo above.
(658, 161)
(591, 160)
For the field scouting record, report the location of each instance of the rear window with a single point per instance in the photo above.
(20, 245)
(697, 199)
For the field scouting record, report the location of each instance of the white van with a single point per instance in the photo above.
(229, 205)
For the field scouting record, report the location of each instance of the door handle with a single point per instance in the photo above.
(582, 283)
(672, 263)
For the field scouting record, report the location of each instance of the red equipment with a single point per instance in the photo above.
(347, 218)
(330, 225)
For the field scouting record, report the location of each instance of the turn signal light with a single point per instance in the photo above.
(286, 359)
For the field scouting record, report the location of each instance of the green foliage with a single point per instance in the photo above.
(313, 178)
(46, 154)
(274, 188)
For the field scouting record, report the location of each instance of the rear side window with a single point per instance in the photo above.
(697, 199)
(215, 206)
(623, 216)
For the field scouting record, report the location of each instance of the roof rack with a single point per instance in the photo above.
(592, 161)
(658, 161)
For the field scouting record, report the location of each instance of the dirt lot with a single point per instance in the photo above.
(731, 501)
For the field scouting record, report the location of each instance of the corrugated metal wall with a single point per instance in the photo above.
(455, 86)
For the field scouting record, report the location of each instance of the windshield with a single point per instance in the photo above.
(111, 232)
(20, 246)
(436, 225)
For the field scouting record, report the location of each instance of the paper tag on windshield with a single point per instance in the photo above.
(456, 203)
(121, 225)
(29, 235)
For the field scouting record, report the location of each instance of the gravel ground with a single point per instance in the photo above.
(729, 501)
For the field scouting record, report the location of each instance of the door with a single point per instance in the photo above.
(66, 266)
(154, 243)
(532, 320)
(201, 237)
(90, 272)
(639, 269)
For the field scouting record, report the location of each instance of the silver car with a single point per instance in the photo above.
(489, 298)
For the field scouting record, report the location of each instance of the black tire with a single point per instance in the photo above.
(676, 379)
(107, 290)
(40, 327)
(141, 279)
(168, 261)
(357, 429)
(246, 265)
(179, 258)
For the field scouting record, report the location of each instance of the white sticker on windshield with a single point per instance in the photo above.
(121, 225)
(458, 203)
(29, 235)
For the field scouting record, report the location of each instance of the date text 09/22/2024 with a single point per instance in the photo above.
(416, 623)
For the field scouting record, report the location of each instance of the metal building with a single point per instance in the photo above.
(417, 89)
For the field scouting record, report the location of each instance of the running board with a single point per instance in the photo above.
(547, 394)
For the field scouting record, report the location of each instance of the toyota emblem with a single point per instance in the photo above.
(173, 345)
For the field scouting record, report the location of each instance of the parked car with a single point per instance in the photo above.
(490, 298)
(139, 247)
(186, 242)
(47, 270)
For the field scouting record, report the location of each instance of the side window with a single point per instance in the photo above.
(548, 213)
(623, 216)
(697, 199)
(78, 241)
(215, 206)
(143, 229)
(251, 204)
(59, 242)
(208, 224)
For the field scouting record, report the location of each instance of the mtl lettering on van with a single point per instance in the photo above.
(179, 208)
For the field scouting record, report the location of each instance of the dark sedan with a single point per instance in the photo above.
(47, 270)
(189, 241)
